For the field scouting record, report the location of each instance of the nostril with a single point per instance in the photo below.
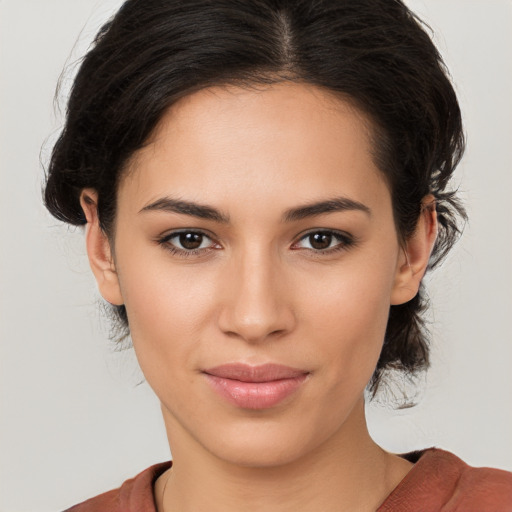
(257, 332)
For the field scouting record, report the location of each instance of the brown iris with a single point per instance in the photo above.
(191, 240)
(320, 240)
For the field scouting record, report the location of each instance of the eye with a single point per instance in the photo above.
(187, 241)
(324, 241)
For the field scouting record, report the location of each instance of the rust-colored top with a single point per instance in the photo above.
(438, 482)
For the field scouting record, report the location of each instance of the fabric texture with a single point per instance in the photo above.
(438, 482)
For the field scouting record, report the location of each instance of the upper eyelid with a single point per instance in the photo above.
(300, 235)
(335, 232)
(176, 232)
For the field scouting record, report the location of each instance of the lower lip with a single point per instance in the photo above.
(255, 395)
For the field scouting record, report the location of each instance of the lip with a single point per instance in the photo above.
(255, 387)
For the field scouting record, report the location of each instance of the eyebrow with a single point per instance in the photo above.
(337, 204)
(168, 204)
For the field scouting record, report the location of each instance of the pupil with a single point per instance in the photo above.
(191, 240)
(320, 240)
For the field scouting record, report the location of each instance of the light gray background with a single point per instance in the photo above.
(73, 422)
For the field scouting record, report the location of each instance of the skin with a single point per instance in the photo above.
(258, 291)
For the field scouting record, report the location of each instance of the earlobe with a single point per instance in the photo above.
(99, 251)
(415, 254)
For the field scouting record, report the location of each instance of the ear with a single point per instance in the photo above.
(415, 254)
(99, 250)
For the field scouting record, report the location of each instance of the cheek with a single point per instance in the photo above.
(167, 307)
(347, 314)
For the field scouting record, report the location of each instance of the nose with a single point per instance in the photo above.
(256, 305)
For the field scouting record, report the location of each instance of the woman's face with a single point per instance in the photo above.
(255, 229)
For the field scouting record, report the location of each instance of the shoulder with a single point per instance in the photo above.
(134, 495)
(441, 481)
(487, 487)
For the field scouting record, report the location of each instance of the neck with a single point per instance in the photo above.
(346, 473)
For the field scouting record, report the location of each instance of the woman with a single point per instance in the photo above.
(264, 185)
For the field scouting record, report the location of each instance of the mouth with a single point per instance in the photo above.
(255, 387)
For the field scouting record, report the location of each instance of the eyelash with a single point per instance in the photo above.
(345, 241)
(184, 253)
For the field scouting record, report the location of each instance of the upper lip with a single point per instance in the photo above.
(262, 373)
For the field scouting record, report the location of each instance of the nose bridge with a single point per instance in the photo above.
(257, 305)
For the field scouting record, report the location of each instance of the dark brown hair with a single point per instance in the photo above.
(374, 52)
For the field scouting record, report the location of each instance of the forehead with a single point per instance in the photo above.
(287, 139)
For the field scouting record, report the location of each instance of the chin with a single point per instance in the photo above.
(261, 456)
(263, 444)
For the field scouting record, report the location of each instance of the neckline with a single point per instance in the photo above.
(417, 458)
